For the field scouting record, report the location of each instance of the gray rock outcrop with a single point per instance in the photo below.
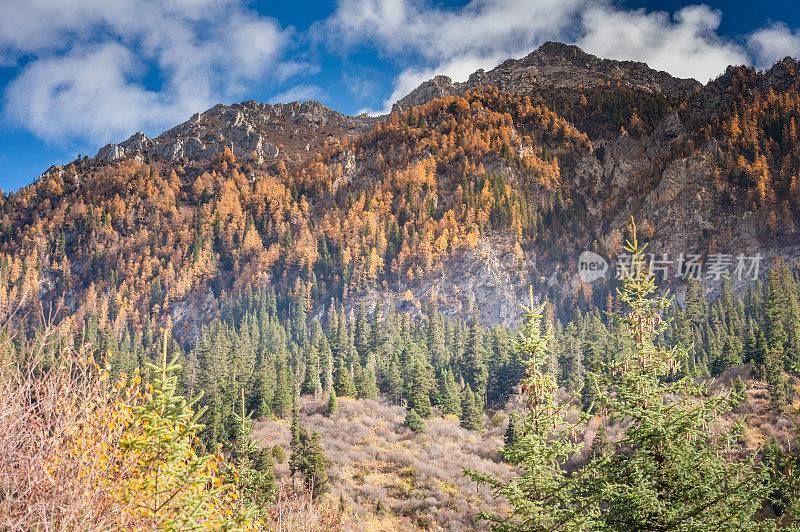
(258, 131)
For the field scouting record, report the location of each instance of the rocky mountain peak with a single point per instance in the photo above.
(784, 73)
(556, 65)
(437, 87)
(251, 129)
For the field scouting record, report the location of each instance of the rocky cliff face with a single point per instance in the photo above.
(662, 176)
(257, 131)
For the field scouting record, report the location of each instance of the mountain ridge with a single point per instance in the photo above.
(253, 129)
(263, 132)
(555, 65)
(269, 133)
(467, 199)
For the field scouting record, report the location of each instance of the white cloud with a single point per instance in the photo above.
(685, 45)
(481, 28)
(85, 61)
(773, 43)
(86, 91)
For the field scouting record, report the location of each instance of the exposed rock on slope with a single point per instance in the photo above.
(250, 129)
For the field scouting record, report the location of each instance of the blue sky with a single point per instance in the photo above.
(77, 74)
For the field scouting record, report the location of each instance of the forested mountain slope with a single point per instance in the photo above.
(550, 158)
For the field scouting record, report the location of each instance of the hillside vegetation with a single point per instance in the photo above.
(234, 341)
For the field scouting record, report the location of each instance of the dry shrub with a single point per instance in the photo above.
(47, 481)
(297, 511)
(417, 478)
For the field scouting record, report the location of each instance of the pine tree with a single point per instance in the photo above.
(511, 436)
(601, 445)
(278, 453)
(757, 353)
(544, 496)
(362, 329)
(477, 373)
(309, 460)
(311, 382)
(266, 487)
(449, 399)
(785, 470)
(282, 398)
(683, 474)
(394, 380)
(367, 386)
(672, 472)
(571, 360)
(163, 463)
(777, 388)
(729, 356)
(739, 392)
(333, 403)
(775, 311)
(470, 417)
(327, 365)
(342, 381)
(419, 386)
(436, 338)
(294, 431)
(255, 481)
(414, 422)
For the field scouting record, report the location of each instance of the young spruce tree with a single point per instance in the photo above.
(543, 496)
(677, 468)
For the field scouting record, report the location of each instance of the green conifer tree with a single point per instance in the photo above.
(281, 400)
(255, 481)
(342, 380)
(308, 459)
(601, 445)
(544, 495)
(512, 432)
(176, 477)
(333, 403)
(684, 475)
(739, 392)
(672, 471)
(414, 421)
(470, 417)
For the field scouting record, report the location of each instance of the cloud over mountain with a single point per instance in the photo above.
(86, 65)
(458, 42)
